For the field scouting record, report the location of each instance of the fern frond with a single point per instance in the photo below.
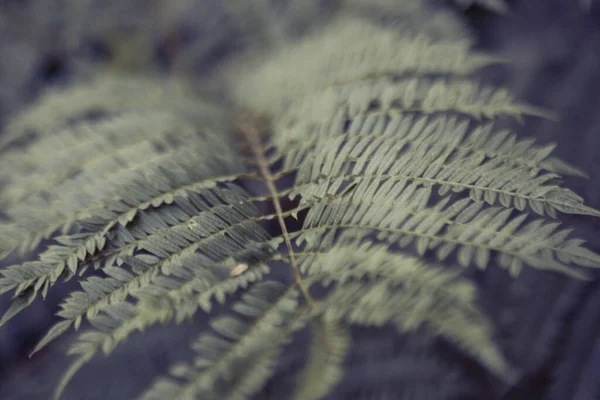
(496, 179)
(465, 226)
(330, 343)
(85, 148)
(388, 139)
(240, 357)
(159, 301)
(350, 46)
(390, 144)
(403, 290)
(49, 191)
(88, 343)
(301, 137)
(89, 204)
(109, 94)
(52, 197)
(57, 260)
(67, 206)
(213, 226)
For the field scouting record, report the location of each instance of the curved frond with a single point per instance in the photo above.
(465, 227)
(209, 231)
(240, 356)
(402, 290)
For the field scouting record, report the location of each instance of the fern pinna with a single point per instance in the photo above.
(379, 140)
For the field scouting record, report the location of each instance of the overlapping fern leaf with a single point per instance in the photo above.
(387, 139)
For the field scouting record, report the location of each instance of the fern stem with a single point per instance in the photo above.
(252, 136)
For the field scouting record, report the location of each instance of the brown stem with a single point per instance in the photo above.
(248, 127)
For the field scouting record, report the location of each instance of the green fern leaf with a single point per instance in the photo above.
(237, 361)
(395, 293)
(324, 369)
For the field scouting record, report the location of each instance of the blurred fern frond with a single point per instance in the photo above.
(183, 206)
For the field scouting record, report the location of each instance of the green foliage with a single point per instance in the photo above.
(383, 133)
